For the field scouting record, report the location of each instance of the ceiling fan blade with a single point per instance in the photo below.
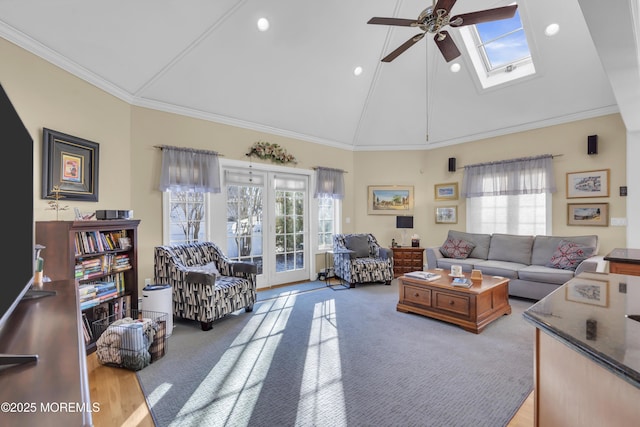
(404, 46)
(393, 21)
(447, 46)
(473, 18)
(444, 4)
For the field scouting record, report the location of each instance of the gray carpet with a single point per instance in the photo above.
(348, 358)
(292, 289)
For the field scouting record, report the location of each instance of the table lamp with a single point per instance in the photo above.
(404, 222)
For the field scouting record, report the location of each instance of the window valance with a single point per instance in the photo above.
(188, 169)
(329, 183)
(530, 175)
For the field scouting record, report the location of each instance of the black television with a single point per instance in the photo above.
(404, 221)
(18, 259)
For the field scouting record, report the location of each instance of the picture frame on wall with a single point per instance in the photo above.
(447, 215)
(588, 291)
(588, 214)
(390, 200)
(588, 184)
(447, 191)
(70, 163)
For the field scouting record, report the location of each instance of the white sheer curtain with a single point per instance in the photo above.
(531, 175)
(329, 183)
(187, 169)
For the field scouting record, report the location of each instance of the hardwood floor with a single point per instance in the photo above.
(123, 404)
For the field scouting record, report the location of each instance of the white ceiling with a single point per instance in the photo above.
(207, 59)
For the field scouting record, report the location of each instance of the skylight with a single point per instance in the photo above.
(499, 50)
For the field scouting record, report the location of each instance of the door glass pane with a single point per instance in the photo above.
(290, 235)
(244, 223)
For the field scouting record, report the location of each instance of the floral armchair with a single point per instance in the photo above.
(206, 284)
(368, 263)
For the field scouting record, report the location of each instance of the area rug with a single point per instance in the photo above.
(297, 288)
(346, 358)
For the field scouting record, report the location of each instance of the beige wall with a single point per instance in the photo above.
(424, 169)
(46, 96)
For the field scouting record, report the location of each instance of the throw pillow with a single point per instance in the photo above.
(456, 248)
(359, 244)
(568, 255)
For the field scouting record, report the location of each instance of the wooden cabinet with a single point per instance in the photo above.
(407, 259)
(624, 261)
(93, 252)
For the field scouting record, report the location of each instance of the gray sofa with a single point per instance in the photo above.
(532, 263)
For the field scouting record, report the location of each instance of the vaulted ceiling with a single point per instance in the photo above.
(207, 59)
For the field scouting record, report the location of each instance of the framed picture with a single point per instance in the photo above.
(390, 200)
(588, 291)
(448, 191)
(70, 163)
(588, 214)
(447, 215)
(588, 184)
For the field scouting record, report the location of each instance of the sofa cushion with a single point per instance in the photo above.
(539, 273)
(568, 255)
(206, 274)
(505, 269)
(467, 263)
(481, 242)
(511, 248)
(456, 248)
(545, 246)
(359, 243)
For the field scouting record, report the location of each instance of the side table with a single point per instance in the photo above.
(340, 253)
(624, 261)
(407, 259)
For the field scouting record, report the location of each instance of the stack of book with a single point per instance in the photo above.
(88, 296)
(121, 262)
(106, 290)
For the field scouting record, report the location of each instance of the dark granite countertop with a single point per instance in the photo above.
(625, 255)
(589, 314)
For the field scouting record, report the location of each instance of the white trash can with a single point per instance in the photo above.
(158, 298)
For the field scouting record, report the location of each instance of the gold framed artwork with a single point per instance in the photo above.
(447, 215)
(588, 214)
(447, 191)
(390, 200)
(588, 184)
(588, 291)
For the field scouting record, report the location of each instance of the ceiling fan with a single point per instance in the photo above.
(434, 18)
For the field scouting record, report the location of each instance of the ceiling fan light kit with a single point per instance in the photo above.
(434, 18)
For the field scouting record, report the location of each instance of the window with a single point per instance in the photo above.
(327, 222)
(524, 214)
(511, 196)
(498, 50)
(187, 216)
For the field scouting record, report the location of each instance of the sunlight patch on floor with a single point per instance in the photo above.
(322, 378)
(230, 391)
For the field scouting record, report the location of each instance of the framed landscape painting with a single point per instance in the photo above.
(390, 200)
(447, 215)
(588, 214)
(588, 184)
(448, 191)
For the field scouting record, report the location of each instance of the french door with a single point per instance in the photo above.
(267, 222)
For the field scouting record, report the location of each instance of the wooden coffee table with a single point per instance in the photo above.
(470, 308)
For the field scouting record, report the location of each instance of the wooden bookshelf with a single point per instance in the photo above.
(90, 252)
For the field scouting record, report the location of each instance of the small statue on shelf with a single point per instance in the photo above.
(55, 204)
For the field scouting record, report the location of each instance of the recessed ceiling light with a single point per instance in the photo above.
(357, 71)
(263, 24)
(455, 67)
(552, 29)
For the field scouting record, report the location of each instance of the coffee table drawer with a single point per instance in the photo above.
(453, 303)
(415, 295)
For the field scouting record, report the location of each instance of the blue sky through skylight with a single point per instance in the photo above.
(504, 41)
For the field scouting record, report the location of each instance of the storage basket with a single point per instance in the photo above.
(132, 340)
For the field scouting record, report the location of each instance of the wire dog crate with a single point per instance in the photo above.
(131, 340)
